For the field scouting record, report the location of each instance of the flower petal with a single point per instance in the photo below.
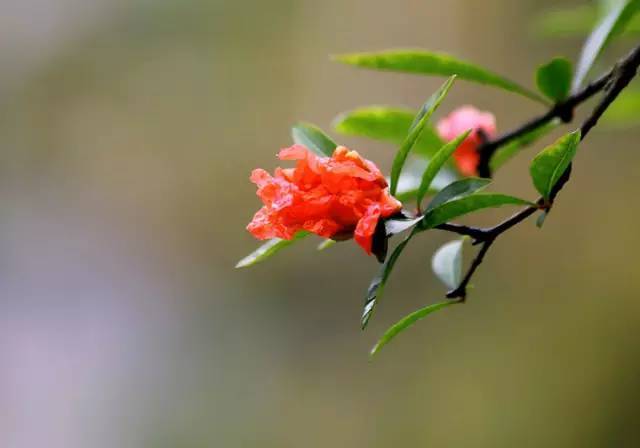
(335, 197)
(366, 228)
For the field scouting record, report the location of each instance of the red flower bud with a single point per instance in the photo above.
(461, 120)
(335, 197)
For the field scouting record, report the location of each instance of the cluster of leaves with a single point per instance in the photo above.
(419, 146)
(601, 21)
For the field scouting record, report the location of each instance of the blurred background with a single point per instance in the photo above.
(128, 130)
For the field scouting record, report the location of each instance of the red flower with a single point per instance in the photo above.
(335, 197)
(457, 122)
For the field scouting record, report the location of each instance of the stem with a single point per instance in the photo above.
(461, 291)
(612, 83)
(476, 233)
(562, 110)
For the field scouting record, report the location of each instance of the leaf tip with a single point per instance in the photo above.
(367, 313)
(338, 122)
(242, 263)
(301, 124)
(364, 321)
(327, 243)
(577, 134)
(343, 58)
(541, 219)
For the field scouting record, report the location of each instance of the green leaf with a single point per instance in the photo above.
(415, 130)
(386, 124)
(465, 205)
(447, 263)
(312, 137)
(436, 163)
(508, 151)
(456, 190)
(549, 165)
(618, 13)
(408, 321)
(268, 249)
(554, 78)
(378, 283)
(430, 63)
(325, 244)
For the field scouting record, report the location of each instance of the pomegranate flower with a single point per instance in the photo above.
(459, 121)
(335, 197)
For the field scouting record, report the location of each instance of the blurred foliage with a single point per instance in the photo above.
(574, 22)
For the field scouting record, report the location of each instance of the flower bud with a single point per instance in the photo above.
(483, 125)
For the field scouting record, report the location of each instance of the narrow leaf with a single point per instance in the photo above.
(547, 167)
(465, 205)
(268, 249)
(508, 151)
(377, 285)
(618, 14)
(436, 163)
(326, 244)
(430, 63)
(386, 124)
(395, 226)
(447, 263)
(554, 78)
(456, 190)
(415, 130)
(312, 137)
(407, 322)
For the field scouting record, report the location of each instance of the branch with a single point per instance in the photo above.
(562, 110)
(622, 74)
(614, 82)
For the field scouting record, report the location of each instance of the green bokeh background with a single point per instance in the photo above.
(128, 130)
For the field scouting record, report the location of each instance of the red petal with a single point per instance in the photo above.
(366, 228)
(323, 227)
(467, 159)
(295, 152)
(260, 177)
(327, 196)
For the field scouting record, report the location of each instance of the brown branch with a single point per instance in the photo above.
(562, 110)
(461, 291)
(614, 82)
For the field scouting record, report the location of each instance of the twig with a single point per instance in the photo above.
(562, 110)
(614, 82)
